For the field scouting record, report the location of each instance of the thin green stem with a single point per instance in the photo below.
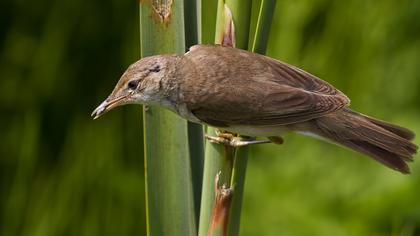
(195, 131)
(237, 182)
(213, 163)
(214, 160)
(241, 13)
(232, 22)
(262, 30)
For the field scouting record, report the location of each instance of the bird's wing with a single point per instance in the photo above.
(282, 95)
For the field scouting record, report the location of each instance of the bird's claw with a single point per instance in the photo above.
(230, 139)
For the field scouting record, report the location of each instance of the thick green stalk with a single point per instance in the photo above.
(169, 194)
(241, 12)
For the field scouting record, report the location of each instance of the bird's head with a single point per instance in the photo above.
(141, 83)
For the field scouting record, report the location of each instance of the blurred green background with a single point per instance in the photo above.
(63, 174)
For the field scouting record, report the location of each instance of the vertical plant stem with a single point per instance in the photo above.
(169, 194)
(241, 156)
(238, 182)
(262, 29)
(214, 158)
(241, 12)
(234, 32)
(192, 22)
(196, 148)
(213, 163)
(195, 131)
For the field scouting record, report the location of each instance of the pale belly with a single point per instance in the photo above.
(258, 130)
(264, 131)
(249, 130)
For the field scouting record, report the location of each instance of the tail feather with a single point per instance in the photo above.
(384, 139)
(396, 129)
(387, 143)
(387, 158)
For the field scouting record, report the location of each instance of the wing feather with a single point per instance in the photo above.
(262, 91)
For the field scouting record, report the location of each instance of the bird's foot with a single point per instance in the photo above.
(276, 139)
(230, 139)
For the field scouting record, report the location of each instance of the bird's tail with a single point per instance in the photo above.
(387, 143)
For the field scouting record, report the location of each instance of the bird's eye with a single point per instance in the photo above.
(155, 69)
(132, 84)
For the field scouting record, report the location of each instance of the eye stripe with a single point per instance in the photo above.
(155, 69)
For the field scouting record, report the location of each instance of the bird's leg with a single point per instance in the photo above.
(224, 134)
(233, 140)
(242, 141)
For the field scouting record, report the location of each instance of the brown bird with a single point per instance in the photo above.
(251, 94)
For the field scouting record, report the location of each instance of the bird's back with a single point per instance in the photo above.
(234, 86)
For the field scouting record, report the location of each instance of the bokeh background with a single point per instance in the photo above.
(63, 174)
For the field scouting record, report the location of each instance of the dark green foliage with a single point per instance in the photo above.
(60, 172)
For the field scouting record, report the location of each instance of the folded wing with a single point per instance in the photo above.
(263, 91)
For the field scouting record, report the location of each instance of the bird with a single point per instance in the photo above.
(251, 94)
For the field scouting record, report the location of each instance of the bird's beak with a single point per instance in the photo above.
(107, 105)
